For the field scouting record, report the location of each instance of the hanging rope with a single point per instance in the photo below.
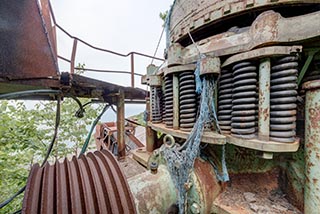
(180, 160)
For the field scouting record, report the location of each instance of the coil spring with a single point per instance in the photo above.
(168, 90)
(244, 100)
(188, 100)
(156, 94)
(225, 101)
(283, 97)
(163, 104)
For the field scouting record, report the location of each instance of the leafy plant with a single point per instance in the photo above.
(25, 135)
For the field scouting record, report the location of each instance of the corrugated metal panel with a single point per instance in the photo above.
(90, 184)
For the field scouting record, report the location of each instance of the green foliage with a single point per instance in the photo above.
(163, 15)
(25, 136)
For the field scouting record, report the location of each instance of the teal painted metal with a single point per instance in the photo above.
(153, 193)
(312, 147)
(264, 99)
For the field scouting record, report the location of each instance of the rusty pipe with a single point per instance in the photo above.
(312, 146)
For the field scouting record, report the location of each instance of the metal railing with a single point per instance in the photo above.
(74, 51)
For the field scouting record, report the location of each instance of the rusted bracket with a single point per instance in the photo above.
(179, 68)
(210, 65)
(311, 53)
(262, 53)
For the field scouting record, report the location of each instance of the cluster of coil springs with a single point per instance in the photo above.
(162, 103)
(238, 99)
(238, 96)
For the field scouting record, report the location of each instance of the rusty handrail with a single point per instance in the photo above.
(100, 70)
(74, 49)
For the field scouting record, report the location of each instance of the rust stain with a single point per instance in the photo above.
(315, 117)
(210, 185)
(315, 180)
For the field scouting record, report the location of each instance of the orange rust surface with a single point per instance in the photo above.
(89, 184)
(208, 181)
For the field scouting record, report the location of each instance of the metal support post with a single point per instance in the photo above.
(151, 134)
(312, 147)
(132, 70)
(175, 102)
(73, 55)
(264, 99)
(121, 126)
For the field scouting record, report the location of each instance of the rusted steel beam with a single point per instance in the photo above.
(89, 184)
(73, 55)
(121, 126)
(151, 135)
(134, 139)
(312, 146)
(132, 70)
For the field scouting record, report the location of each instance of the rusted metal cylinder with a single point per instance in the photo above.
(205, 187)
(153, 193)
(89, 184)
(121, 126)
(312, 147)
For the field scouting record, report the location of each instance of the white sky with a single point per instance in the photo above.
(119, 25)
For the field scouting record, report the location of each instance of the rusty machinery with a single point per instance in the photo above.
(266, 55)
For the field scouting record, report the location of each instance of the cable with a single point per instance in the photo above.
(20, 94)
(80, 112)
(57, 122)
(155, 52)
(5, 203)
(86, 143)
(55, 134)
(17, 212)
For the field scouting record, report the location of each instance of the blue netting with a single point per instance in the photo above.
(180, 160)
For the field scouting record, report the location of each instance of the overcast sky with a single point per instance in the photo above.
(119, 25)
